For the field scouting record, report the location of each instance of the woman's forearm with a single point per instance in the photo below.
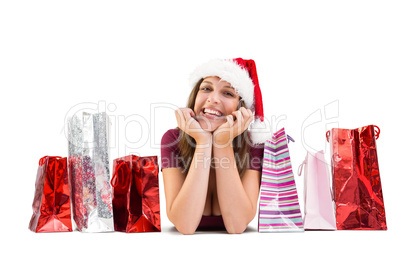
(236, 207)
(188, 206)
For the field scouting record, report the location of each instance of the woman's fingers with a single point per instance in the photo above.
(238, 116)
(184, 116)
(248, 115)
(179, 117)
(188, 113)
(236, 124)
(244, 117)
(230, 120)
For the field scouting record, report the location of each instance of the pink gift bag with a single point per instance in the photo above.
(319, 212)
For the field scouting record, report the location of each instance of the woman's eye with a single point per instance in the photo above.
(205, 89)
(229, 94)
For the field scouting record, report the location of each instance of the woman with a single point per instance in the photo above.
(211, 168)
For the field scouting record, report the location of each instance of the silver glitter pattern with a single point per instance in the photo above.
(89, 172)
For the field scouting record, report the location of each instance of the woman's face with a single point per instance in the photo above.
(215, 100)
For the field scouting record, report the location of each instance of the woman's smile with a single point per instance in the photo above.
(211, 113)
(215, 100)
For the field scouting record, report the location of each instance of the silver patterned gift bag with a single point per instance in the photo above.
(89, 174)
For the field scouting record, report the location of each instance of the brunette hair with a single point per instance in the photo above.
(187, 143)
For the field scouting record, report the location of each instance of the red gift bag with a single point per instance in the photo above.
(356, 179)
(51, 205)
(135, 195)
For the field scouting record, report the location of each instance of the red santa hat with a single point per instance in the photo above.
(242, 75)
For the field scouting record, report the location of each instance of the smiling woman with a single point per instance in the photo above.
(215, 99)
(211, 164)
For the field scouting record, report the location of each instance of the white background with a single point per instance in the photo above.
(338, 59)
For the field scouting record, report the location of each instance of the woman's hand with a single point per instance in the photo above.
(189, 125)
(236, 124)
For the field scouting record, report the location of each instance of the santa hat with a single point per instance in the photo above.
(242, 75)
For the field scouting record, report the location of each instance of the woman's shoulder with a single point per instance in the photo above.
(171, 139)
(170, 152)
(170, 135)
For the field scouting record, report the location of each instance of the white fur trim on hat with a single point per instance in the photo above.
(231, 72)
(260, 131)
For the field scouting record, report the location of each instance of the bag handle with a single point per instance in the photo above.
(327, 135)
(290, 139)
(377, 132)
(42, 160)
(300, 169)
(113, 181)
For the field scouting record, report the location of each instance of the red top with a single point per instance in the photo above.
(171, 157)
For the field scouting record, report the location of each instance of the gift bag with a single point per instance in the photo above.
(51, 205)
(279, 209)
(88, 163)
(319, 211)
(357, 188)
(136, 194)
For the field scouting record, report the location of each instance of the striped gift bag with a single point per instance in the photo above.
(279, 203)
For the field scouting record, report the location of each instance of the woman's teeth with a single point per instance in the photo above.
(212, 112)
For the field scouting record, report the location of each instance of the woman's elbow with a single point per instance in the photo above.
(183, 228)
(238, 229)
(186, 230)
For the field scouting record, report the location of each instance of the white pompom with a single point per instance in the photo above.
(260, 132)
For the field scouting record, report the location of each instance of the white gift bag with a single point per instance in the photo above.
(319, 213)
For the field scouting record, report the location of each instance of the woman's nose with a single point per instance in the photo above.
(213, 97)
